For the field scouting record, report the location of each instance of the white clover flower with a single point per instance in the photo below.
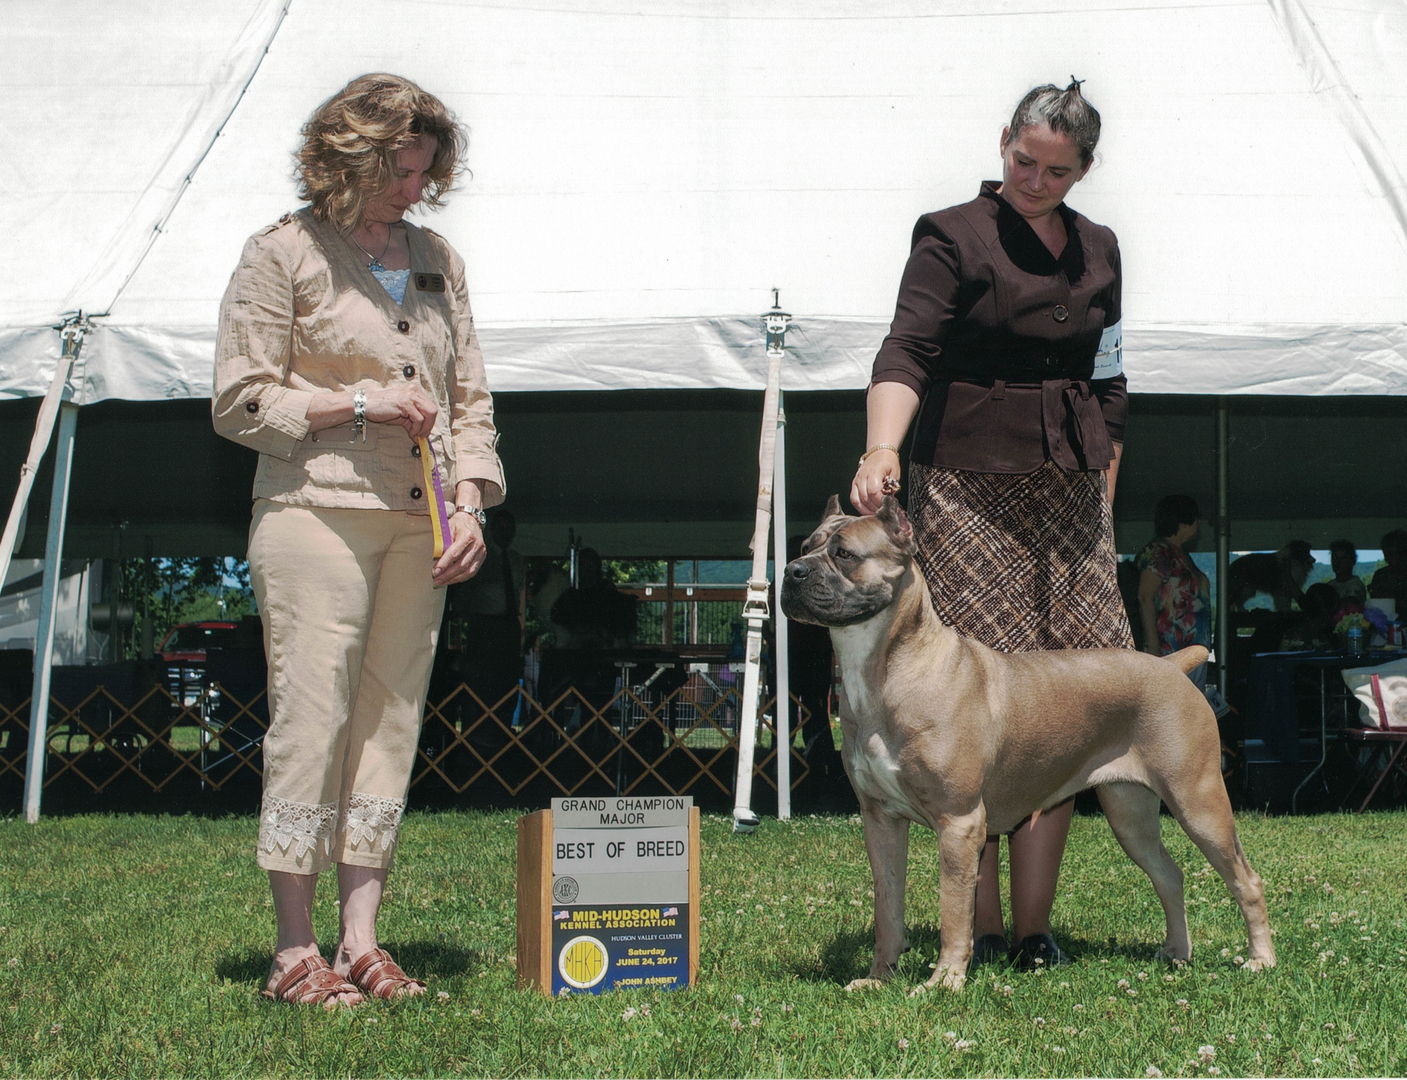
(1152, 1072)
(1206, 1053)
(903, 1044)
(443, 995)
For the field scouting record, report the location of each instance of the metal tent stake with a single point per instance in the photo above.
(755, 606)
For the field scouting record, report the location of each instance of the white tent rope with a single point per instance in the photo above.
(755, 607)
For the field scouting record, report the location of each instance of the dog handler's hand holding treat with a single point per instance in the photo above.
(347, 350)
(1006, 346)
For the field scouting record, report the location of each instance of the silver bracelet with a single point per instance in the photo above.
(359, 412)
(474, 512)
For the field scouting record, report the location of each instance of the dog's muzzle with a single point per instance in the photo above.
(795, 577)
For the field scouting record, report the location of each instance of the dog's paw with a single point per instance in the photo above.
(863, 984)
(1174, 956)
(919, 990)
(949, 978)
(1258, 963)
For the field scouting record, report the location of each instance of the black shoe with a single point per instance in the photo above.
(989, 949)
(1038, 951)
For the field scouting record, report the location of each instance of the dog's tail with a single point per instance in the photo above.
(1189, 658)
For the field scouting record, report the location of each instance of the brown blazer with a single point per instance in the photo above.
(999, 338)
(302, 314)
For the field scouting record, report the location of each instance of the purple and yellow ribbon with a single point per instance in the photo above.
(439, 520)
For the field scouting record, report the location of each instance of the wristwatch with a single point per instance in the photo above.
(474, 512)
(359, 412)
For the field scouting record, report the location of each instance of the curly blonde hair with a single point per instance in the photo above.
(351, 141)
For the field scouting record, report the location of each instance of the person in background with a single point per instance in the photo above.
(1390, 582)
(1006, 346)
(1343, 557)
(595, 614)
(1314, 627)
(1174, 597)
(338, 364)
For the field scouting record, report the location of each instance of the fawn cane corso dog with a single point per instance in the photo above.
(944, 731)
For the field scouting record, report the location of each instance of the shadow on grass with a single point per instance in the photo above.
(419, 958)
(848, 956)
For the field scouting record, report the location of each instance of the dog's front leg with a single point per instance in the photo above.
(960, 840)
(887, 844)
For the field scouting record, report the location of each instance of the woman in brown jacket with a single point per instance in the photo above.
(1006, 345)
(346, 349)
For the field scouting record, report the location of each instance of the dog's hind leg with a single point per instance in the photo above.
(1132, 812)
(1204, 812)
(887, 844)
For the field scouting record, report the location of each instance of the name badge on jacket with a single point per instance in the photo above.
(1109, 360)
(436, 283)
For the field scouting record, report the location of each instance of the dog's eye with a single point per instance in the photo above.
(844, 554)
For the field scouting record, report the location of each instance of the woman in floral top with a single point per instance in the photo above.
(1174, 597)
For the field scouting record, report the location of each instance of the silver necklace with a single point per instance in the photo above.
(375, 264)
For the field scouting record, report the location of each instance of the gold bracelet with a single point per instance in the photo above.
(878, 447)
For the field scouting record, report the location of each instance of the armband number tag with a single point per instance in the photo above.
(1109, 360)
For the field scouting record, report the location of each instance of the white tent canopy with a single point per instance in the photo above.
(644, 175)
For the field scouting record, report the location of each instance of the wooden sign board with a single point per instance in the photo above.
(608, 895)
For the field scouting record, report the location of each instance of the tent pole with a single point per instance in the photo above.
(48, 600)
(755, 606)
(1223, 542)
(73, 331)
(779, 619)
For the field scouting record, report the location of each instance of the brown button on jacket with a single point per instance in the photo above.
(998, 338)
(302, 314)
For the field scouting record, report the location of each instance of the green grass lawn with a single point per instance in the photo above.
(134, 946)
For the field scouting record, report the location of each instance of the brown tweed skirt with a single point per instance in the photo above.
(1020, 562)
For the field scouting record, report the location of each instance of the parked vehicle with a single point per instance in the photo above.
(188, 641)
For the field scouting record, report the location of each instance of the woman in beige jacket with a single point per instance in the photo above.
(346, 337)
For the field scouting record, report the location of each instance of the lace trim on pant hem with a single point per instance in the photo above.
(302, 826)
(373, 819)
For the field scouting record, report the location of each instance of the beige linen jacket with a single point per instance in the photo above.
(302, 314)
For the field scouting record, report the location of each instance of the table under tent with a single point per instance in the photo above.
(641, 183)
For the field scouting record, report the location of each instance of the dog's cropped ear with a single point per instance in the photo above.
(891, 515)
(832, 507)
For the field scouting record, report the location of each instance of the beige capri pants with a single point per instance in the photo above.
(350, 622)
